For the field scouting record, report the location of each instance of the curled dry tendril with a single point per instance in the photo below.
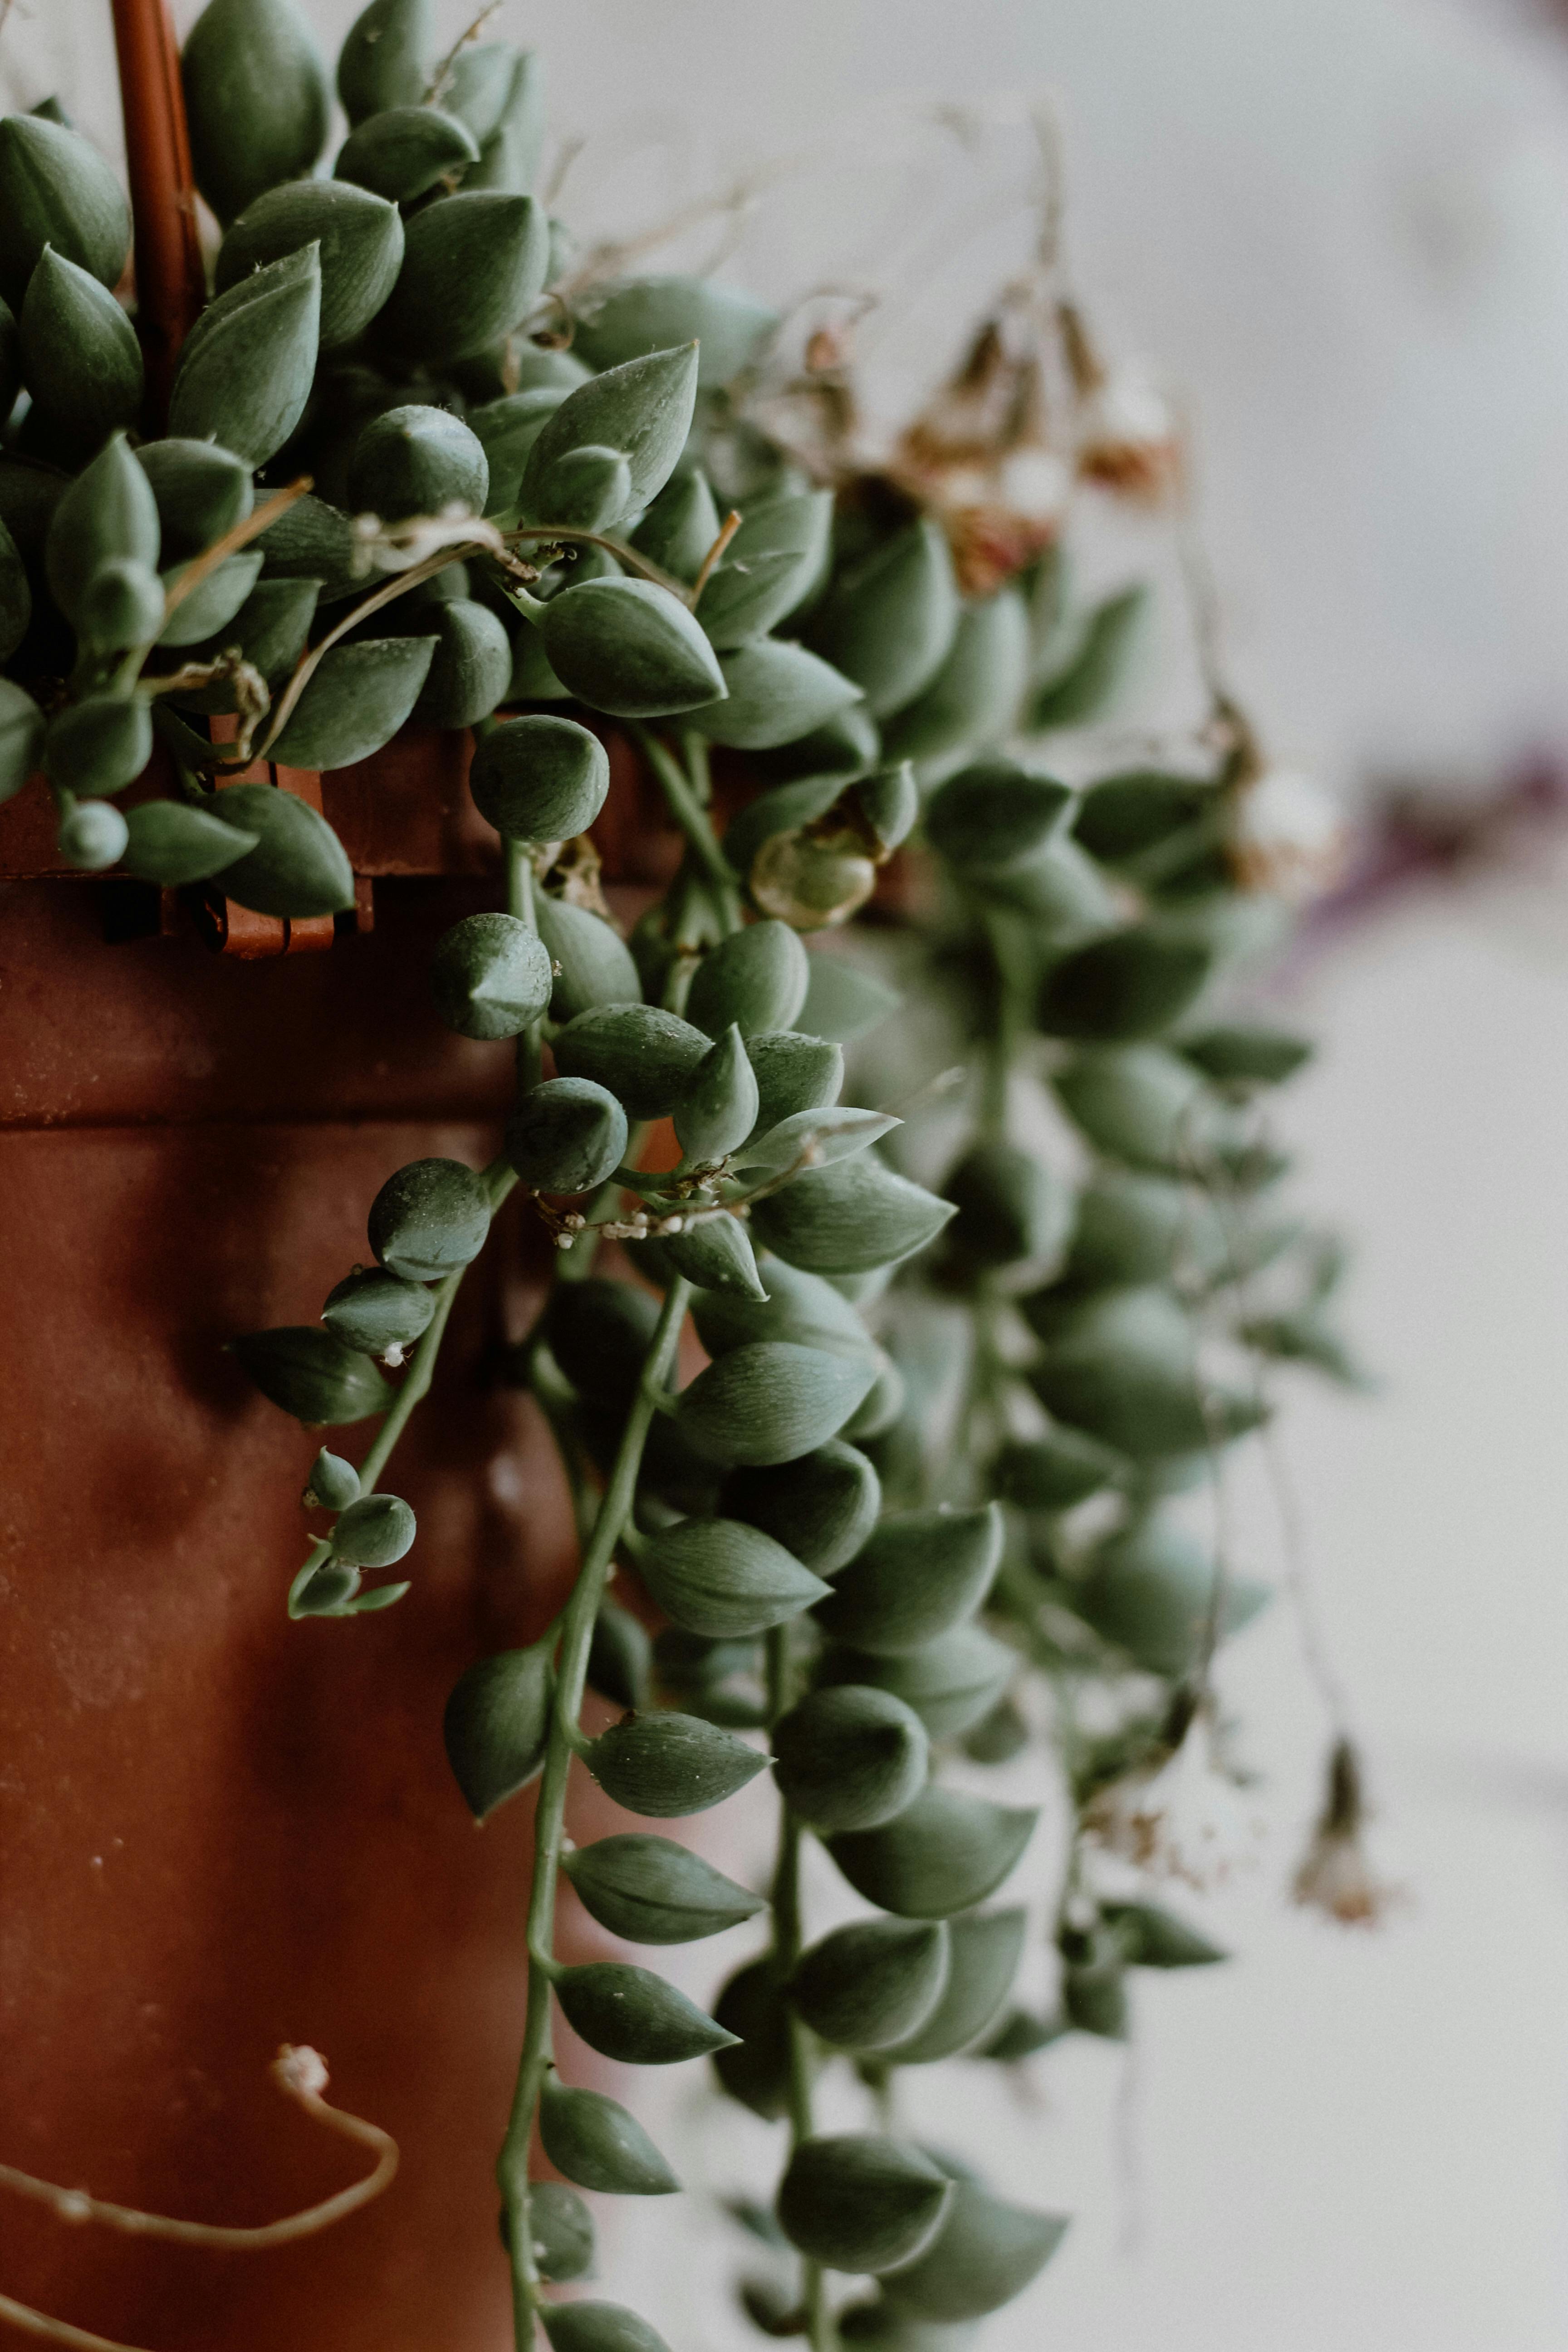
(301, 2073)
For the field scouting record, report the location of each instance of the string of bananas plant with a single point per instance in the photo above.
(420, 464)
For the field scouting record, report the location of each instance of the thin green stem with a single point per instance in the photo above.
(994, 1074)
(519, 903)
(533, 608)
(556, 1401)
(576, 1634)
(691, 922)
(780, 1675)
(786, 1953)
(686, 807)
(520, 881)
(879, 2082)
(695, 747)
(1012, 1024)
(499, 1181)
(822, 2334)
(982, 1420)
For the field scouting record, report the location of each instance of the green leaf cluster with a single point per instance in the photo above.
(962, 1355)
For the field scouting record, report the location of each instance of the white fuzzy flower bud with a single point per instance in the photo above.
(1179, 1817)
(1288, 835)
(301, 2070)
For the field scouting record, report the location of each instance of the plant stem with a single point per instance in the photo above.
(499, 1180)
(715, 555)
(520, 881)
(822, 2335)
(686, 807)
(632, 558)
(576, 1264)
(576, 1634)
(519, 903)
(695, 748)
(1012, 1023)
(982, 1419)
(310, 661)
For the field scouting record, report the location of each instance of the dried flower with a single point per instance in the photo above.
(1129, 441)
(301, 2070)
(980, 457)
(1287, 837)
(1179, 1815)
(572, 870)
(1336, 1876)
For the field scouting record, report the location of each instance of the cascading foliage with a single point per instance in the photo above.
(922, 1504)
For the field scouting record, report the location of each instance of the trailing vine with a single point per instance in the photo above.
(966, 1349)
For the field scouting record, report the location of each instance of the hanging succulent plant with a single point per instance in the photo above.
(386, 491)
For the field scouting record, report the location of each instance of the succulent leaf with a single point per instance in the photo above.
(496, 1726)
(256, 99)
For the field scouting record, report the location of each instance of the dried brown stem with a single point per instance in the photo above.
(715, 554)
(260, 519)
(306, 666)
(443, 73)
(629, 556)
(610, 260)
(302, 2076)
(58, 2331)
(1299, 1585)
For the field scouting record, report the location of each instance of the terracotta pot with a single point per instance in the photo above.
(219, 1831)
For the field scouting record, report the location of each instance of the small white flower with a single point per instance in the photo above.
(301, 2070)
(1129, 438)
(968, 484)
(1336, 1876)
(1035, 483)
(1129, 406)
(1179, 1816)
(1337, 1879)
(1288, 835)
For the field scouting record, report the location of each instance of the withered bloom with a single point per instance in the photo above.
(1287, 837)
(1178, 1815)
(572, 870)
(1127, 437)
(1336, 1877)
(980, 457)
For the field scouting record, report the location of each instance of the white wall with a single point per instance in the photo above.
(1342, 227)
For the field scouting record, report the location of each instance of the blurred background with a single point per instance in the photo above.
(1337, 232)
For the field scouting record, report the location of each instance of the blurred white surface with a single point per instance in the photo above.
(1340, 228)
